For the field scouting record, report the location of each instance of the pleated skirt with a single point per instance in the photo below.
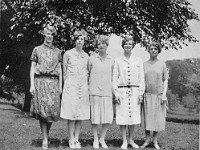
(101, 109)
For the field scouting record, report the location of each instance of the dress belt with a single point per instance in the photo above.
(127, 86)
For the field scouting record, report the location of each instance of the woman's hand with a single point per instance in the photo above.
(60, 90)
(164, 100)
(140, 99)
(32, 90)
(117, 99)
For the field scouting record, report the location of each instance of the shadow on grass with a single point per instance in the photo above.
(55, 143)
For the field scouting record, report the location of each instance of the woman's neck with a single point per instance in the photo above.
(153, 59)
(79, 49)
(102, 54)
(48, 43)
(127, 55)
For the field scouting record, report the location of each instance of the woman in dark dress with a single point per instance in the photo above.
(46, 83)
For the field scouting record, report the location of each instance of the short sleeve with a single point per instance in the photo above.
(34, 56)
(165, 72)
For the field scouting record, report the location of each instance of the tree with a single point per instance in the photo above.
(166, 20)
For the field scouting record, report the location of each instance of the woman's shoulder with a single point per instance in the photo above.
(68, 52)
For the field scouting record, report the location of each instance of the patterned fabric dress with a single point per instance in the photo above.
(153, 113)
(75, 97)
(128, 72)
(100, 89)
(45, 104)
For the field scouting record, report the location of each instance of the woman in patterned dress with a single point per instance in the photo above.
(100, 90)
(46, 83)
(155, 100)
(75, 105)
(128, 84)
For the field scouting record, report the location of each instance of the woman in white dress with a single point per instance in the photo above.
(128, 85)
(75, 105)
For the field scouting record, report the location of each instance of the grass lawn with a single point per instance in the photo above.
(20, 132)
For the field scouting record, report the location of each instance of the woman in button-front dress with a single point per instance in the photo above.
(46, 83)
(75, 105)
(100, 90)
(155, 100)
(128, 84)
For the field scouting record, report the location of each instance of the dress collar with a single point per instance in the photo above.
(83, 54)
(46, 45)
(128, 60)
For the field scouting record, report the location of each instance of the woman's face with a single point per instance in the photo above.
(102, 47)
(48, 36)
(128, 46)
(80, 41)
(153, 51)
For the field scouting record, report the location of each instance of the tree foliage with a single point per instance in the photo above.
(184, 76)
(23, 20)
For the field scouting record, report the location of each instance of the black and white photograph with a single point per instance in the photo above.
(99, 74)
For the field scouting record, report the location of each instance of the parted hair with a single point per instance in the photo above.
(102, 38)
(126, 39)
(156, 44)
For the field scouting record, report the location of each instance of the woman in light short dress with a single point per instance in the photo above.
(75, 105)
(46, 83)
(128, 84)
(155, 100)
(100, 89)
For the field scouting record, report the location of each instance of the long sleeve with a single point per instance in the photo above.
(141, 79)
(115, 78)
(65, 65)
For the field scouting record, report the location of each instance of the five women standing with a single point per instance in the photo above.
(126, 80)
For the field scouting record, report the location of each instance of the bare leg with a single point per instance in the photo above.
(43, 126)
(123, 132)
(71, 128)
(131, 141)
(77, 132)
(77, 129)
(49, 124)
(103, 134)
(147, 140)
(155, 139)
(95, 133)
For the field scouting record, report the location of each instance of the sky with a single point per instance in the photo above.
(190, 51)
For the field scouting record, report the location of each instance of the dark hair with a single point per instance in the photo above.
(157, 44)
(126, 39)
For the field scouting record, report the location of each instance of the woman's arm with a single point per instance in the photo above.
(165, 84)
(32, 72)
(60, 78)
(115, 82)
(141, 82)
(65, 65)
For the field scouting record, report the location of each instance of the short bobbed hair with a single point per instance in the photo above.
(157, 44)
(50, 28)
(79, 33)
(126, 39)
(102, 38)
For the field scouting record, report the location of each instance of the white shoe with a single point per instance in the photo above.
(77, 144)
(124, 145)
